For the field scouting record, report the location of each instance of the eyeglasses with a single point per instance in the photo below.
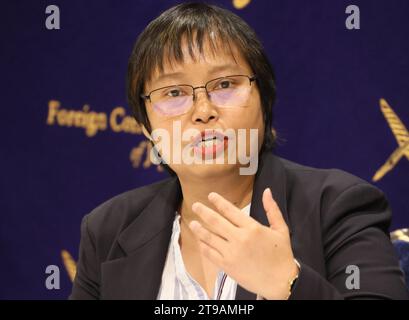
(224, 92)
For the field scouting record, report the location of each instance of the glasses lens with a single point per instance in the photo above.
(229, 92)
(172, 101)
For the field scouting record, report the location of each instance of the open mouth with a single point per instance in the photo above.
(209, 143)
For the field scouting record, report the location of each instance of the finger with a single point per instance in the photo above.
(208, 237)
(229, 211)
(213, 255)
(274, 216)
(214, 221)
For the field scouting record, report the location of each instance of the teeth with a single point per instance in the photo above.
(208, 143)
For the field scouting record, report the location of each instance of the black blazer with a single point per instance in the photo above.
(335, 220)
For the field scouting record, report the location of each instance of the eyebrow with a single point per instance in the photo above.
(223, 67)
(213, 70)
(165, 76)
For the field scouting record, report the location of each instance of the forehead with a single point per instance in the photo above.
(213, 58)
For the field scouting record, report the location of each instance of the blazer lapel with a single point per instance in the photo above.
(270, 174)
(145, 243)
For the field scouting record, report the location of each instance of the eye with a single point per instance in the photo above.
(174, 92)
(224, 84)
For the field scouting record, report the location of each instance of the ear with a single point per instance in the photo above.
(146, 133)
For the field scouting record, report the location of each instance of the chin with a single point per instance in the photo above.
(207, 171)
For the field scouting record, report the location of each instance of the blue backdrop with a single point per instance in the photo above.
(68, 142)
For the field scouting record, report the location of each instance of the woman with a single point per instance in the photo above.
(221, 227)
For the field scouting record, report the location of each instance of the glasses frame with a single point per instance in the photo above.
(148, 97)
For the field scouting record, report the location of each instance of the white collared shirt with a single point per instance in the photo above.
(178, 284)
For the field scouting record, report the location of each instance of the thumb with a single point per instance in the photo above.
(274, 216)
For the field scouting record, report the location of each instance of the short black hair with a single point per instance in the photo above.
(162, 38)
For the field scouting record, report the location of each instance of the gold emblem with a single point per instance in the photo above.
(69, 264)
(240, 4)
(400, 235)
(402, 137)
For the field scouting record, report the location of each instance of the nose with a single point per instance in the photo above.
(203, 109)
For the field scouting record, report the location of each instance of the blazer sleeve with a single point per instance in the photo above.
(86, 281)
(355, 233)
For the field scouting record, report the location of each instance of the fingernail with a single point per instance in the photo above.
(194, 206)
(194, 225)
(211, 196)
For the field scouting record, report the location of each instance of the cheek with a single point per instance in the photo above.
(161, 132)
(167, 135)
(255, 118)
(250, 117)
(258, 123)
(153, 119)
(245, 118)
(159, 123)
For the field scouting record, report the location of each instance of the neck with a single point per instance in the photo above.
(237, 189)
